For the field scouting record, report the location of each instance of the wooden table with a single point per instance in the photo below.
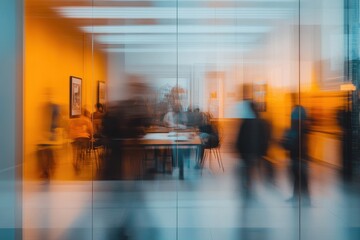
(173, 140)
(162, 129)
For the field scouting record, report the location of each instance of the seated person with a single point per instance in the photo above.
(198, 118)
(97, 117)
(80, 127)
(175, 118)
(80, 131)
(190, 114)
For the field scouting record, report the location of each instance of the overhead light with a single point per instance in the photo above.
(180, 50)
(197, 29)
(172, 38)
(136, 38)
(98, 12)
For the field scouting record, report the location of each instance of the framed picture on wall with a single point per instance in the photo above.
(75, 97)
(101, 93)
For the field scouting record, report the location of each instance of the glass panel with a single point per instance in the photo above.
(58, 99)
(191, 119)
(329, 94)
(241, 61)
(134, 196)
(11, 101)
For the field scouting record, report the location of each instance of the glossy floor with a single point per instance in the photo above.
(207, 205)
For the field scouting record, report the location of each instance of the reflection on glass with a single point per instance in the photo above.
(200, 120)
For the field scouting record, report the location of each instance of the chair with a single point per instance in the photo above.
(81, 154)
(97, 149)
(213, 152)
(212, 149)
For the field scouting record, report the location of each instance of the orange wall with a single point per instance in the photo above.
(54, 51)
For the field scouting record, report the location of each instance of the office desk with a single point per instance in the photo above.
(162, 129)
(172, 140)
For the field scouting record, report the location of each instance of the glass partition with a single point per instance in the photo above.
(198, 119)
(242, 61)
(135, 197)
(329, 95)
(59, 97)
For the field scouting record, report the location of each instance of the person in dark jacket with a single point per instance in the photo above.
(252, 143)
(295, 141)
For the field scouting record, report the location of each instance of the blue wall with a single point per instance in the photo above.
(11, 25)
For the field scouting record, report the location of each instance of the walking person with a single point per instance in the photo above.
(295, 141)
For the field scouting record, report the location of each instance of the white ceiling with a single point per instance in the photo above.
(213, 30)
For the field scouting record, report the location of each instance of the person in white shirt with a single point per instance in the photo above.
(175, 118)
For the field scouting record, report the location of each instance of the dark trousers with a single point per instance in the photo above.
(46, 161)
(251, 163)
(299, 172)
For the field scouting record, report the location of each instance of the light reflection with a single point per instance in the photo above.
(172, 29)
(172, 38)
(173, 13)
(237, 49)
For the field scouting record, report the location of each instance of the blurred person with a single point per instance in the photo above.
(208, 133)
(196, 118)
(175, 118)
(295, 141)
(135, 222)
(80, 131)
(190, 116)
(126, 119)
(343, 116)
(45, 147)
(169, 118)
(161, 109)
(252, 144)
(112, 125)
(252, 139)
(124, 123)
(123, 120)
(97, 117)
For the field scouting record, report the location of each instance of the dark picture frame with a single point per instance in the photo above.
(101, 93)
(75, 97)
